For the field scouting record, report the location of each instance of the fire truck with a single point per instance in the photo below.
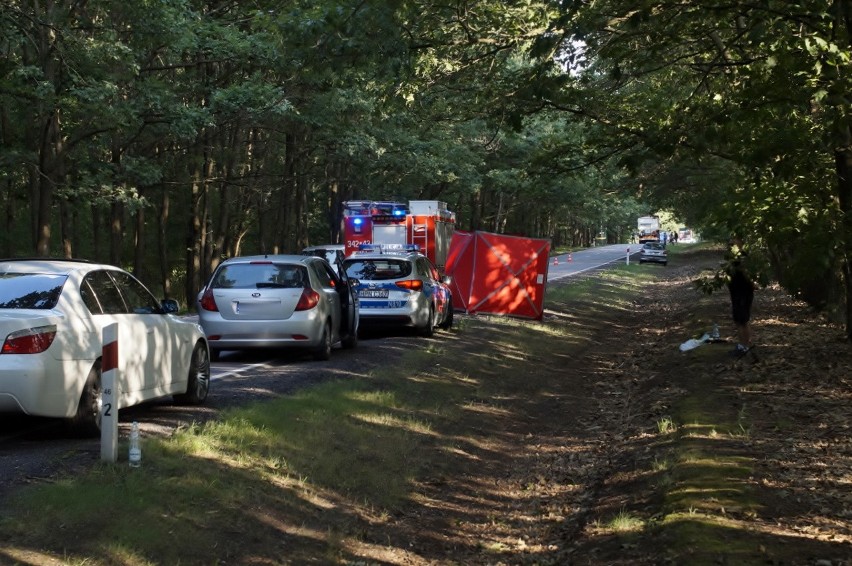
(424, 223)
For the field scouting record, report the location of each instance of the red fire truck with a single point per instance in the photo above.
(425, 223)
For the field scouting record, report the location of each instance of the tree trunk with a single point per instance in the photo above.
(139, 244)
(300, 219)
(49, 174)
(10, 219)
(65, 228)
(163, 245)
(96, 233)
(843, 165)
(193, 237)
(116, 233)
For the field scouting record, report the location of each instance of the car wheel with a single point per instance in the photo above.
(429, 329)
(323, 350)
(87, 420)
(448, 320)
(198, 381)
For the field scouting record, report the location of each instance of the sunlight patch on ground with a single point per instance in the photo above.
(486, 409)
(385, 419)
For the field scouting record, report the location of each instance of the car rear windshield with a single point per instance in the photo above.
(378, 269)
(30, 290)
(258, 275)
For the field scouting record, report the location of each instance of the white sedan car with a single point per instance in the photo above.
(52, 316)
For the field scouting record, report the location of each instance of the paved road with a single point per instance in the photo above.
(565, 265)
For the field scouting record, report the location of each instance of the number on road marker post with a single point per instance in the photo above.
(109, 393)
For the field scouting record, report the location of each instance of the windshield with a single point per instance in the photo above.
(30, 290)
(260, 275)
(377, 269)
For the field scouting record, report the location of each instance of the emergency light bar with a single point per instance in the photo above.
(383, 248)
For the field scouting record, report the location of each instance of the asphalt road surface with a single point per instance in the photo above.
(566, 265)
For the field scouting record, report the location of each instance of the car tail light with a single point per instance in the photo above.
(411, 284)
(30, 341)
(208, 302)
(308, 300)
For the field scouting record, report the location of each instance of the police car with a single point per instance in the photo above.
(399, 286)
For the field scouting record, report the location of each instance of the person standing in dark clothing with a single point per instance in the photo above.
(741, 288)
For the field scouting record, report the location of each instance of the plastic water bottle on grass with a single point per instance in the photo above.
(135, 455)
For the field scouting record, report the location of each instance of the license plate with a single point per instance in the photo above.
(373, 293)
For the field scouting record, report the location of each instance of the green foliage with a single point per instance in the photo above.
(735, 112)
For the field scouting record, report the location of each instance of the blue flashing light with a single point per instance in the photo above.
(398, 212)
(358, 221)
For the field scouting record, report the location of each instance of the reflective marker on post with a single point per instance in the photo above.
(628, 256)
(109, 393)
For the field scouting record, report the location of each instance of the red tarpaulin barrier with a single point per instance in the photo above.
(498, 274)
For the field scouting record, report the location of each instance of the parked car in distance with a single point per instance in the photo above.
(334, 254)
(399, 286)
(278, 301)
(654, 252)
(52, 316)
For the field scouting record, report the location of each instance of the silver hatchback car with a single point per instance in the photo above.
(653, 252)
(278, 301)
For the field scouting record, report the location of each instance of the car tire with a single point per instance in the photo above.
(87, 420)
(322, 352)
(198, 381)
(429, 330)
(448, 320)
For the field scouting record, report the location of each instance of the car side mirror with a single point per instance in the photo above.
(170, 306)
(352, 282)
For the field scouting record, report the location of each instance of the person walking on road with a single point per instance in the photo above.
(741, 286)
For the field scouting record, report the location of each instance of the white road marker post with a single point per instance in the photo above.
(628, 256)
(109, 393)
